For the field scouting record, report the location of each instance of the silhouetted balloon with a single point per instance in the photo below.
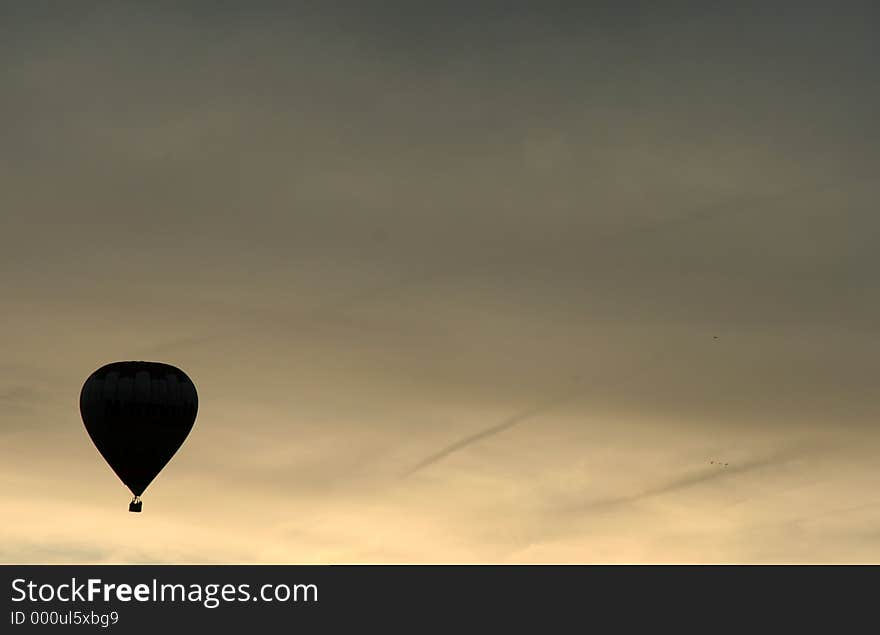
(138, 414)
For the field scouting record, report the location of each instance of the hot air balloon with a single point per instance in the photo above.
(138, 414)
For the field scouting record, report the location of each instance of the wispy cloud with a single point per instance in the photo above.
(18, 399)
(28, 552)
(702, 477)
(19, 395)
(308, 316)
(736, 206)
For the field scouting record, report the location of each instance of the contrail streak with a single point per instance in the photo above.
(780, 457)
(516, 419)
(568, 518)
(493, 430)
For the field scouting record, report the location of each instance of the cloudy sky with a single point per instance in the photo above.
(456, 281)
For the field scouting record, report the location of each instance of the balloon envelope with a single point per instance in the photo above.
(138, 414)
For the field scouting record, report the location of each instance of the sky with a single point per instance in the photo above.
(475, 282)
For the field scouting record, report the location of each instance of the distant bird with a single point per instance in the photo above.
(715, 337)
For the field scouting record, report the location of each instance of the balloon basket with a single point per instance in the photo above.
(135, 505)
